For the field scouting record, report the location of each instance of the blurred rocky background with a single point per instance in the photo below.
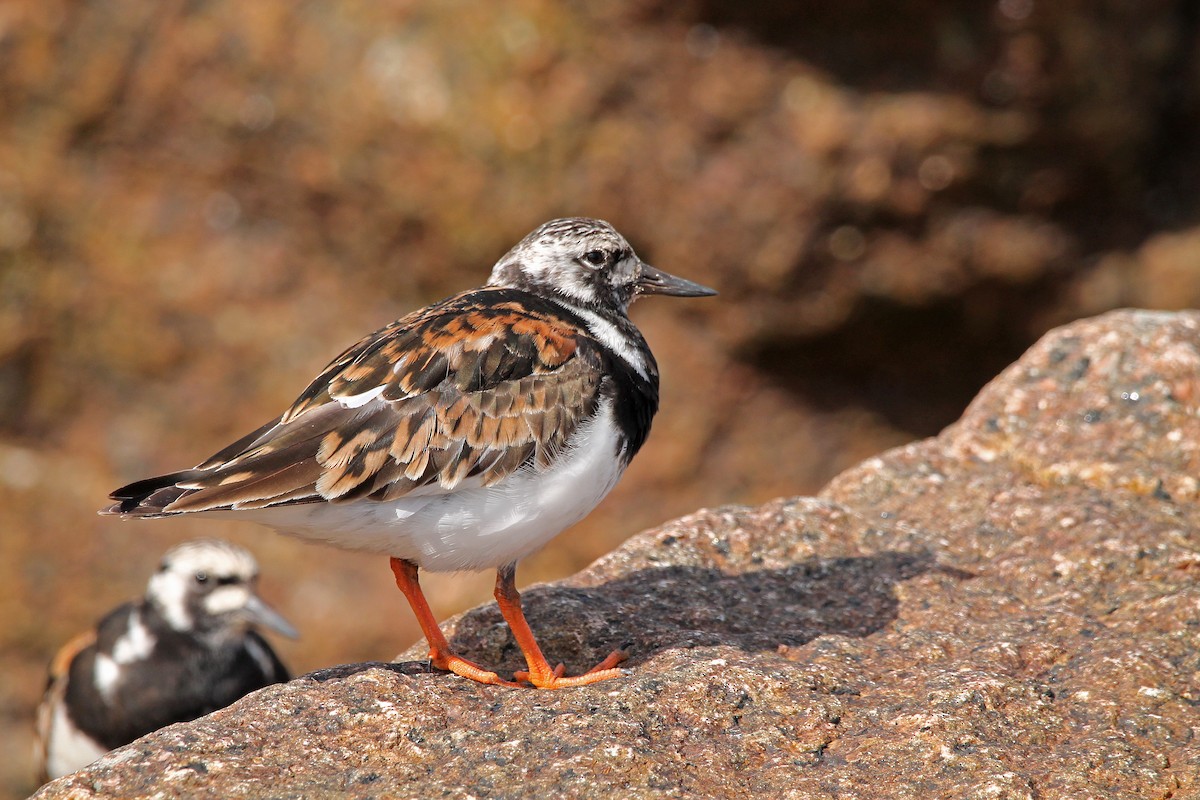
(202, 202)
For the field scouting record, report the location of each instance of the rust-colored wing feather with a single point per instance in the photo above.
(56, 687)
(468, 390)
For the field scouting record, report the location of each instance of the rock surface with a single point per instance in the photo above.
(1008, 610)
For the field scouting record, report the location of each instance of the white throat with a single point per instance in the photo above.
(612, 337)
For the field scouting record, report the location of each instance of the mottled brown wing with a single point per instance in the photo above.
(468, 390)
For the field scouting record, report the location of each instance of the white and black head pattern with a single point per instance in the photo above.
(207, 587)
(583, 260)
(585, 263)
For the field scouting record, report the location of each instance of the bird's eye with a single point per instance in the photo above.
(201, 577)
(595, 257)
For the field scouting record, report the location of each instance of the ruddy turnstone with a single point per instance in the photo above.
(187, 648)
(463, 436)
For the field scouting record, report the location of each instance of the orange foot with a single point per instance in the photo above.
(539, 674)
(467, 669)
(554, 679)
(440, 655)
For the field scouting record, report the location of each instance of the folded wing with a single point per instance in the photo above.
(462, 393)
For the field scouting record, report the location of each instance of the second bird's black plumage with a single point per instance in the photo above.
(187, 648)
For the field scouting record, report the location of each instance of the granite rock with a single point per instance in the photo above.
(1007, 610)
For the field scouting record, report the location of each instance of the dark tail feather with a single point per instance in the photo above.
(148, 498)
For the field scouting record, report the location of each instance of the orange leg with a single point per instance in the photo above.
(439, 649)
(539, 673)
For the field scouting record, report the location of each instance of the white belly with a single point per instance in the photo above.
(67, 748)
(470, 528)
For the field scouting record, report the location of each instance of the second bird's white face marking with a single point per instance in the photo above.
(197, 569)
(168, 592)
(227, 599)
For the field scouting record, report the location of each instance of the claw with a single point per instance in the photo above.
(556, 678)
(610, 661)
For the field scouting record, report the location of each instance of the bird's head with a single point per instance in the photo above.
(209, 587)
(587, 263)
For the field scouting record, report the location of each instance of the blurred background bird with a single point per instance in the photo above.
(188, 647)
